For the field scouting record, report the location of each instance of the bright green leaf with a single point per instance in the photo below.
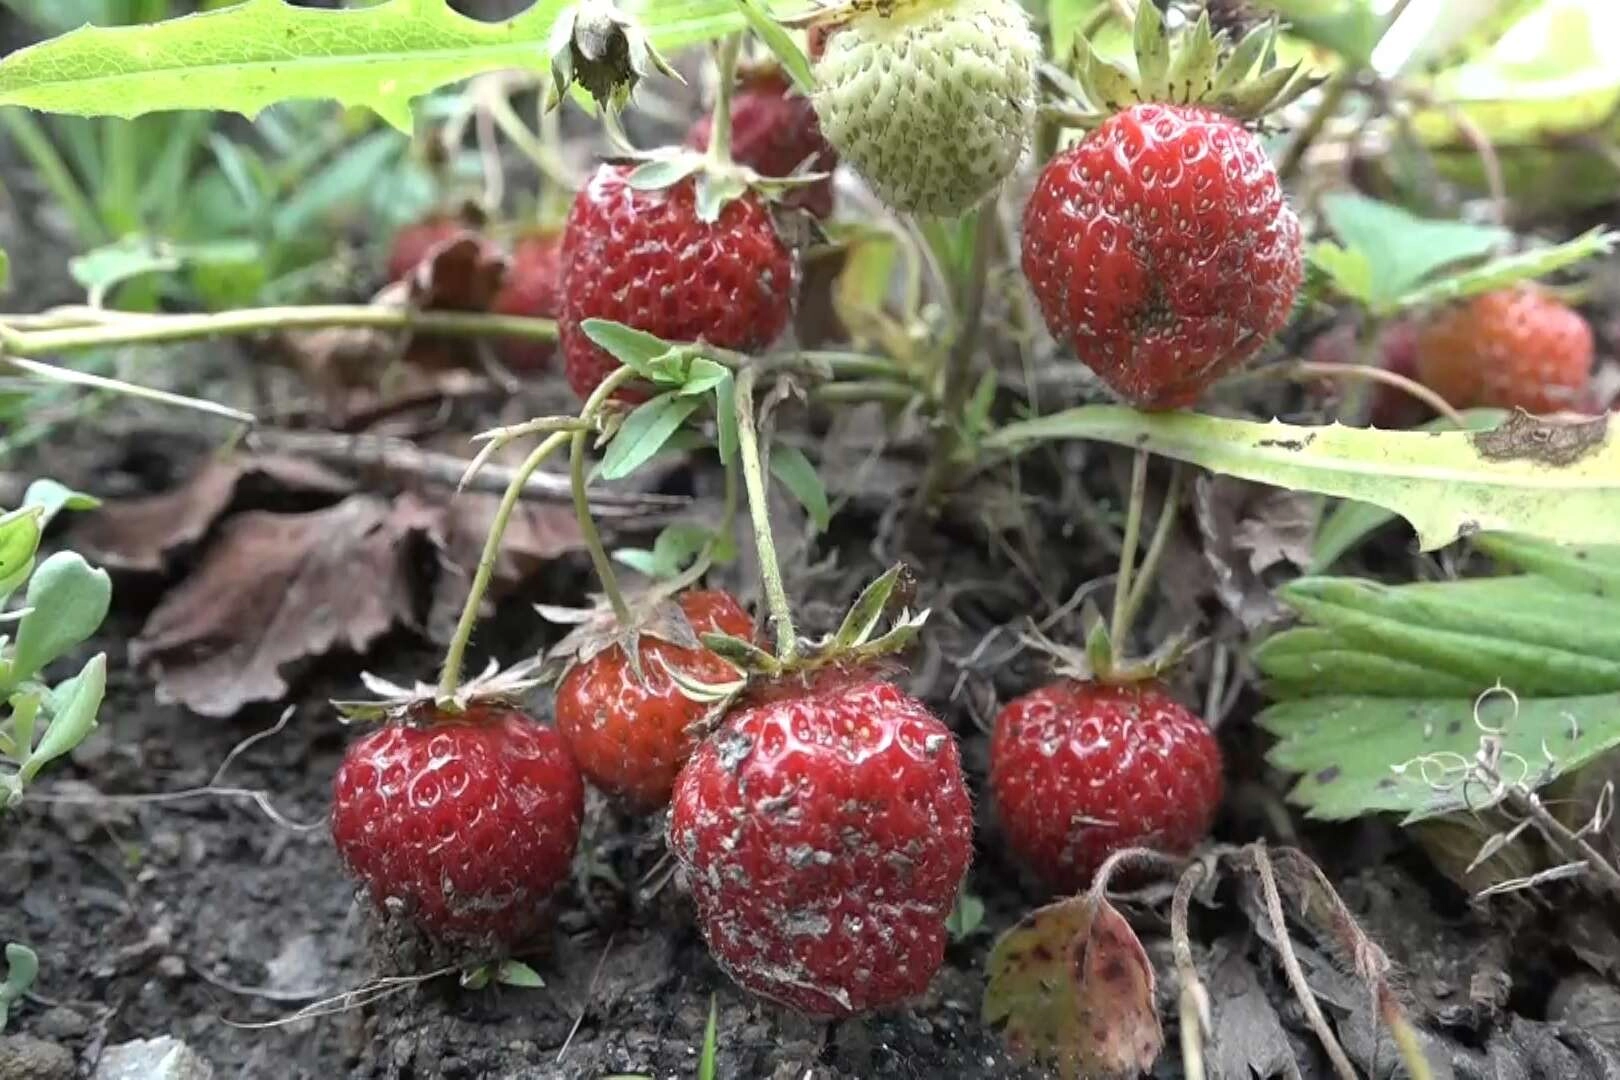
(671, 553)
(703, 375)
(781, 44)
(52, 498)
(19, 540)
(1357, 755)
(966, 917)
(793, 469)
(73, 707)
(68, 601)
(517, 973)
(1350, 271)
(1511, 269)
(1444, 483)
(644, 433)
(632, 348)
(711, 1043)
(22, 967)
(1402, 250)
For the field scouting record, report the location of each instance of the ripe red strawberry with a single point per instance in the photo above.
(413, 243)
(1161, 247)
(1081, 770)
(1391, 409)
(466, 823)
(824, 835)
(533, 288)
(630, 737)
(645, 259)
(1514, 348)
(776, 132)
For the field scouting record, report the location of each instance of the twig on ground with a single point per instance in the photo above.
(1194, 998)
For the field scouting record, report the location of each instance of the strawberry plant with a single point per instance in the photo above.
(981, 245)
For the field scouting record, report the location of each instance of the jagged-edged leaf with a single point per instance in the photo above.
(1352, 522)
(256, 53)
(1401, 248)
(1548, 480)
(1359, 755)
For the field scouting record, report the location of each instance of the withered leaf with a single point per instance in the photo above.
(1071, 987)
(536, 534)
(1249, 530)
(139, 534)
(277, 588)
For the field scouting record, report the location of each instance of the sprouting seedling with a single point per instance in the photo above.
(21, 967)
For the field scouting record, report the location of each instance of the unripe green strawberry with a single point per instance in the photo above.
(932, 101)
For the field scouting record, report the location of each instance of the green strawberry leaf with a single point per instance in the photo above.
(671, 553)
(1352, 522)
(702, 376)
(1350, 271)
(1591, 568)
(1401, 249)
(867, 610)
(966, 917)
(635, 349)
(73, 707)
(1552, 481)
(1511, 269)
(644, 433)
(1071, 987)
(793, 469)
(781, 44)
(1360, 755)
(67, 602)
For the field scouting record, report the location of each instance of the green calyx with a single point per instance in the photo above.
(719, 182)
(1192, 67)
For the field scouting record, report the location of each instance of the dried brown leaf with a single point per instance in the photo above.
(1249, 532)
(278, 588)
(139, 534)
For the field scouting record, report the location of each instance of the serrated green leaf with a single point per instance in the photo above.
(793, 469)
(1444, 483)
(1359, 755)
(1350, 271)
(644, 433)
(1352, 522)
(68, 601)
(1510, 270)
(73, 708)
(1465, 631)
(52, 498)
(1402, 250)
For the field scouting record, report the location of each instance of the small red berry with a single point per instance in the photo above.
(631, 738)
(414, 243)
(466, 823)
(1514, 348)
(824, 835)
(533, 288)
(1081, 770)
(1161, 247)
(776, 132)
(645, 259)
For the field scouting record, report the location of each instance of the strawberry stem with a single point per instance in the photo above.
(1118, 626)
(589, 534)
(720, 130)
(455, 656)
(1150, 562)
(787, 641)
(1374, 373)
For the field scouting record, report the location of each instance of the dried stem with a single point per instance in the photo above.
(1290, 963)
(1570, 844)
(118, 386)
(1194, 999)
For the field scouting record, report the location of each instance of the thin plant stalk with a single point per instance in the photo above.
(787, 642)
(1143, 582)
(1118, 627)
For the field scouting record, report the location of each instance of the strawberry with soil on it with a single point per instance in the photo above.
(464, 822)
(1513, 348)
(932, 101)
(1081, 770)
(533, 289)
(824, 834)
(647, 259)
(1161, 247)
(775, 132)
(631, 734)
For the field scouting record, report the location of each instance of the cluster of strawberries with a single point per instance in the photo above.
(823, 823)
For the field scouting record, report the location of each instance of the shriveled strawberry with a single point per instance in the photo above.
(1515, 348)
(1081, 770)
(465, 823)
(824, 835)
(645, 259)
(414, 243)
(631, 737)
(775, 132)
(1162, 249)
(533, 289)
